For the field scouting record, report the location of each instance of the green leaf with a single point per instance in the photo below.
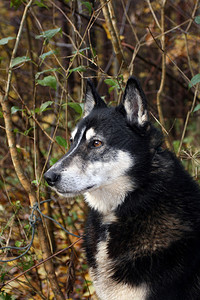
(78, 69)
(44, 105)
(19, 60)
(194, 80)
(53, 161)
(15, 109)
(48, 34)
(69, 220)
(188, 140)
(34, 182)
(18, 243)
(45, 71)
(176, 145)
(197, 107)
(26, 132)
(197, 19)
(81, 50)
(36, 110)
(88, 6)
(18, 204)
(15, 3)
(48, 81)
(5, 296)
(5, 41)
(26, 264)
(94, 53)
(61, 141)
(16, 130)
(76, 106)
(44, 55)
(40, 4)
(3, 274)
(111, 82)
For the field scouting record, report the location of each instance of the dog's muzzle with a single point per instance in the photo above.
(51, 177)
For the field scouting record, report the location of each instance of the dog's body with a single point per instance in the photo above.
(142, 236)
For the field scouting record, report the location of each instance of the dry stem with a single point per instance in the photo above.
(108, 12)
(162, 82)
(25, 182)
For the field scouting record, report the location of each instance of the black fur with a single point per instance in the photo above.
(156, 238)
(149, 244)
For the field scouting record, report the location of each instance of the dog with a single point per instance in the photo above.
(142, 235)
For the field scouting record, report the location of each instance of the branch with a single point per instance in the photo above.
(187, 120)
(25, 182)
(163, 74)
(15, 48)
(40, 263)
(109, 16)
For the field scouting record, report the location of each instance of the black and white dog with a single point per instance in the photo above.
(143, 232)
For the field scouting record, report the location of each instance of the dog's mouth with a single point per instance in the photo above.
(71, 193)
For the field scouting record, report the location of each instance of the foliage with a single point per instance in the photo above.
(63, 43)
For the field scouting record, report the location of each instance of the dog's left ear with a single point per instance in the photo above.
(92, 99)
(135, 103)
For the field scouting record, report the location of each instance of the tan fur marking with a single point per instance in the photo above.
(90, 133)
(107, 288)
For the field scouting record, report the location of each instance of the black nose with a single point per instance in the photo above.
(51, 177)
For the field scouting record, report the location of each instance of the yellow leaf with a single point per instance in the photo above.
(90, 291)
(107, 31)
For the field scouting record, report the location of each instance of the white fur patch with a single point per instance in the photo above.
(90, 133)
(78, 142)
(89, 103)
(106, 198)
(106, 287)
(142, 115)
(112, 185)
(74, 132)
(109, 218)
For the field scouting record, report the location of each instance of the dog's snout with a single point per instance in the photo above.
(51, 177)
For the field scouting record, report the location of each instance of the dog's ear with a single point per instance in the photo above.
(135, 103)
(92, 99)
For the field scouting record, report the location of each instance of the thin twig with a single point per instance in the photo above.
(187, 120)
(154, 16)
(163, 73)
(193, 14)
(24, 180)
(115, 39)
(15, 48)
(162, 82)
(40, 263)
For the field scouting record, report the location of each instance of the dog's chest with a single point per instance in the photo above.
(106, 287)
(104, 264)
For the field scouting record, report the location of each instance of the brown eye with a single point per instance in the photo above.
(97, 144)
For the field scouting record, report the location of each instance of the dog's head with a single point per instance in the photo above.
(110, 149)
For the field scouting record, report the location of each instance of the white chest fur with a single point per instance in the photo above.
(106, 287)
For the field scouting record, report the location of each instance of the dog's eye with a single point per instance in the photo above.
(97, 143)
(71, 140)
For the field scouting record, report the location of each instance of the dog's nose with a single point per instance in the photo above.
(51, 177)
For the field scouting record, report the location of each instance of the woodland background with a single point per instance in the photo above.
(47, 51)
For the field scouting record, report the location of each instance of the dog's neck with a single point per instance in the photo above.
(106, 199)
